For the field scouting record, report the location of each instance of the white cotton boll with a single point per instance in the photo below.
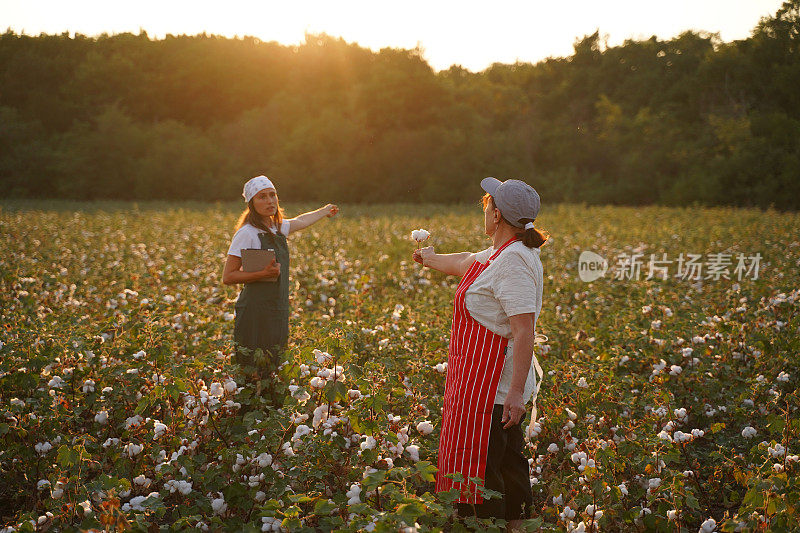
(86, 506)
(572, 415)
(665, 436)
(777, 451)
(101, 417)
(783, 377)
(567, 513)
(369, 443)
(672, 514)
(56, 382)
(216, 389)
(132, 449)
(553, 448)
(42, 447)
(413, 452)
(654, 483)
(708, 526)
(686, 352)
(354, 394)
(317, 382)
(300, 432)
(533, 430)
(441, 368)
(420, 235)
(674, 370)
(425, 427)
(623, 489)
(558, 500)
(680, 414)
(288, 451)
(264, 460)
(228, 316)
(583, 384)
(320, 415)
(88, 386)
(354, 494)
(139, 354)
(697, 433)
(42, 484)
(159, 429)
(322, 358)
(680, 436)
(218, 505)
(230, 386)
(142, 481)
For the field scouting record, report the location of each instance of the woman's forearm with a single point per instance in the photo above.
(451, 264)
(307, 219)
(522, 356)
(240, 276)
(522, 332)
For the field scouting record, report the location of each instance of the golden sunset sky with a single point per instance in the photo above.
(468, 33)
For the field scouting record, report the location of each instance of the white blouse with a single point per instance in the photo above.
(247, 237)
(510, 285)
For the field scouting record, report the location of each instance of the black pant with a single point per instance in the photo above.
(506, 472)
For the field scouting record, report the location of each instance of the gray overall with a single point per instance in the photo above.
(262, 312)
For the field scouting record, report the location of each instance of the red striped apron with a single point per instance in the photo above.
(474, 365)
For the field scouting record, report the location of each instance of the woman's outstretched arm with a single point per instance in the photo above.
(451, 264)
(306, 219)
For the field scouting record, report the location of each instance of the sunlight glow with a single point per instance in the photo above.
(472, 34)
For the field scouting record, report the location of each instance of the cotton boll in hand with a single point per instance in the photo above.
(420, 235)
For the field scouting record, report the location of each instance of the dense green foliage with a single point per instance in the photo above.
(690, 119)
(117, 386)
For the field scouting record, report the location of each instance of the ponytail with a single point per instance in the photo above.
(534, 237)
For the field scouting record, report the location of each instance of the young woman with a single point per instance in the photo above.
(262, 310)
(490, 375)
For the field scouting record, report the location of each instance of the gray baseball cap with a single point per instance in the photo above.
(515, 199)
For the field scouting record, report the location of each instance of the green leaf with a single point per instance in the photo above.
(410, 512)
(324, 507)
(426, 471)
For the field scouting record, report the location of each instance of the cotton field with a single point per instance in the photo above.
(668, 404)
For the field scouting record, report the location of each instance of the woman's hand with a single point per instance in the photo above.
(513, 409)
(272, 270)
(331, 210)
(423, 254)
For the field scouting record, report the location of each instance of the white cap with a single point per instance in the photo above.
(259, 183)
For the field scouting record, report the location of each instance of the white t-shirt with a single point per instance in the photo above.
(247, 237)
(510, 285)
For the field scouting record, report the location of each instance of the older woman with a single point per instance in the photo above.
(490, 375)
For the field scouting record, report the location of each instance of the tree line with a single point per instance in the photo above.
(686, 120)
